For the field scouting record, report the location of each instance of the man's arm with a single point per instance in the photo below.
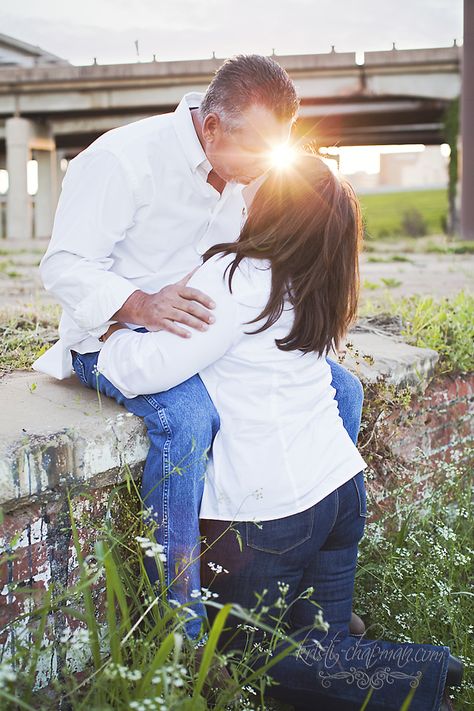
(145, 363)
(96, 208)
(174, 303)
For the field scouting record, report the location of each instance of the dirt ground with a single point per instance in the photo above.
(437, 275)
(390, 268)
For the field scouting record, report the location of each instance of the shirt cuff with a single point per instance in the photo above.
(107, 355)
(93, 313)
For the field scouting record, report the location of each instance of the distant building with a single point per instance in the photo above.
(427, 169)
(363, 182)
(15, 53)
(404, 171)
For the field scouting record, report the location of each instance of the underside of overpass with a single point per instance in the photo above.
(363, 121)
(395, 97)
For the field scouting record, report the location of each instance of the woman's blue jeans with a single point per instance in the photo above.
(315, 551)
(182, 424)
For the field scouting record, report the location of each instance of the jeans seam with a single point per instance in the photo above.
(359, 497)
(442, 681)
(78, 365)
(336, 511)
(166, 484)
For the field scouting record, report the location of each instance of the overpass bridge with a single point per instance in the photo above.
(53, 111)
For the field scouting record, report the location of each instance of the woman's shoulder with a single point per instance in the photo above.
(251, 279)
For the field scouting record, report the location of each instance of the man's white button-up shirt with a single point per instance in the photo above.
(135, 212)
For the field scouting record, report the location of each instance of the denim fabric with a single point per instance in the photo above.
(317, 549)
(349, 397)
(182, 424)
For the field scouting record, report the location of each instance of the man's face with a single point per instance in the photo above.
(244, 153)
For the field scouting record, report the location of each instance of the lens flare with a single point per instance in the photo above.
(282, 156)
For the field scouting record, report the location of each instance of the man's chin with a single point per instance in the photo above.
(243, 179)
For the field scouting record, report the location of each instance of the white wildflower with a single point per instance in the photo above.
(320, 622)
(151, 548)
(216, 568)
(7, 675)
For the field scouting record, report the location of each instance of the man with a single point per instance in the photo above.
(138, 208)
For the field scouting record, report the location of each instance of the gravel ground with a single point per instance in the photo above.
(438, 275)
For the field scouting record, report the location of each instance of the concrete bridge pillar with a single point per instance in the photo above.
(467, 124)
(60, 173)
(46, 197)
(18, 133)
(26, 139)
(3, 198)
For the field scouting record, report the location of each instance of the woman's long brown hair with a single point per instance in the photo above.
(306, 221)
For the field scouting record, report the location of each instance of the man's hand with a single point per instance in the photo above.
(163, 311)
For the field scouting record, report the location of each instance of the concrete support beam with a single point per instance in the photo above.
(18, 133)
(46, 197)
(467, 124)
(60, 173)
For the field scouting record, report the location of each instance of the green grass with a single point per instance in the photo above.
(24, 336)
(414, 580)
(387, 282)
(7, 268)
(450, 248)
(391, 258)
(390, 282)
(383, 212)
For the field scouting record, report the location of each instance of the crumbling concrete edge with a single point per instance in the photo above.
(35, 467)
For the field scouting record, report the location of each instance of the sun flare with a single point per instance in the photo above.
(283, 156)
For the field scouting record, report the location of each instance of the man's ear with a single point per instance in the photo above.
(210, 126)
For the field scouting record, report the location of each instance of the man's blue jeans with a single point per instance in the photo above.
(182, 424)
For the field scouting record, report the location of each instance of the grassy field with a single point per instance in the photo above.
(383, 212)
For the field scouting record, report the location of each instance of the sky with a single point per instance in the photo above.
(188, 29)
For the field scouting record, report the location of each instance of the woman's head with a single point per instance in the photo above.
(306, 221)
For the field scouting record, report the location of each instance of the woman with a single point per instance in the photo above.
(283, 471)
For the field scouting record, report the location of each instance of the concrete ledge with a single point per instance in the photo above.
(393, 359)
(55, 434)
(58, 434)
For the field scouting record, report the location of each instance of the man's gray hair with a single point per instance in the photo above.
(246, 80)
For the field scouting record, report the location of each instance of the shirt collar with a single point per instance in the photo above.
(187, 135)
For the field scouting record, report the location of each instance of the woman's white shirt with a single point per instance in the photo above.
(282, 446)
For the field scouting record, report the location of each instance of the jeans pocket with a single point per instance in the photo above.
(359, 484)
(282, 534)
(78, 367)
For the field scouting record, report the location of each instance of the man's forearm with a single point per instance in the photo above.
(133, 310)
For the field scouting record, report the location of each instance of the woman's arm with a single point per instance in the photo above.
(146, 363)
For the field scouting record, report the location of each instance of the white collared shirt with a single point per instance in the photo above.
(135, 212)
(281, 446)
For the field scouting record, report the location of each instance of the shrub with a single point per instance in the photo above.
(413, 223)
(445, 325)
